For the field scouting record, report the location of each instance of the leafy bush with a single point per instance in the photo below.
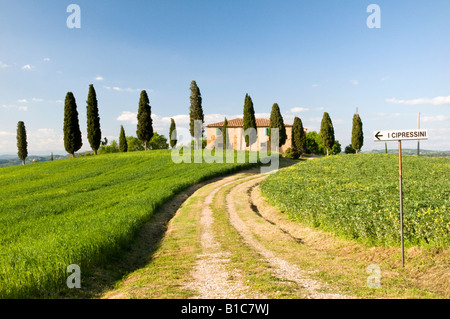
(349, 149)
(292, 153)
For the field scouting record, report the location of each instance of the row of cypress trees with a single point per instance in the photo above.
(73, 139)
(298, 133)
(72, 133)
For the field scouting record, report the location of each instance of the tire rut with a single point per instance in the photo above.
(282, 268)
(212, 280)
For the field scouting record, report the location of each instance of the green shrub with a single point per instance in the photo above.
(292, 153)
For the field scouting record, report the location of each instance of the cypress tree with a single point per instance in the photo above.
(249, 120)
(123, 145)
(94, 133)
(357, 133)
(195, 110)
(173, 133)
(327, 132)
(144, 127)
(22, 142)
(225, 134)
(299, 136)
(72, 132)
(276, 121)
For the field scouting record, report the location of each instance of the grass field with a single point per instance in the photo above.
(81, 211)
(357, 197)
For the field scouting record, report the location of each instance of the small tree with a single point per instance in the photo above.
(22, 143)
(123, 145)
(72, 132)
(144, 127)
(134, 144)
(336, 149)
(357, 133)
(276, 121)
(158, 142)
(249, 121)
(94, 133)
(299, 136)
(195, 111)
(349, 149)
(173, 134)
(327, 132)
(225, 134)
(112, 148)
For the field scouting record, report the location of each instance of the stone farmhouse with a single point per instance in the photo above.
(236, 139)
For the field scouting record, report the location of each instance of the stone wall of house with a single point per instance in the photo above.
(236, 139)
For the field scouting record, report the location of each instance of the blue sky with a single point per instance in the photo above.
(309, 57)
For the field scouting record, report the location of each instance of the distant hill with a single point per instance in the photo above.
(12, 160)
(412, 151)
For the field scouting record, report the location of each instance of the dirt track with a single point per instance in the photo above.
(247, 215)
(213, 274)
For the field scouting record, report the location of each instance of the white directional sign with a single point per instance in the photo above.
(398, 135)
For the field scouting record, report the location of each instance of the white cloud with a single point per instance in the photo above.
(440, 100)
(354, 82)
(3, 65)
(99, 78)
(46, 59)
(128, 117)
(4, 133)
(182, 119)
(27, 67)
(22, 101)
(315, 86)
(299, 109)
(37, 100)
(119, 89)
(437, 118)
(20, 108)
(261, 115)
(45, 139)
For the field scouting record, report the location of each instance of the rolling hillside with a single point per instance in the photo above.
(80, 211)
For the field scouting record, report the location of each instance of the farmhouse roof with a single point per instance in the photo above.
(240, 123)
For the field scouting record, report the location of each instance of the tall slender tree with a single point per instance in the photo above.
(357, 133)
(299, 136)
(145, 123)
(173, 133)
(94, 133)
(123, 145)
(276, 121)
(249, 121)
(327, 132)
(72, 133)
(225, 134)
(195, 111)
(22, 144)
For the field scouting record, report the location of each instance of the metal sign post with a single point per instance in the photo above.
(399, 135)
(401, 198)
